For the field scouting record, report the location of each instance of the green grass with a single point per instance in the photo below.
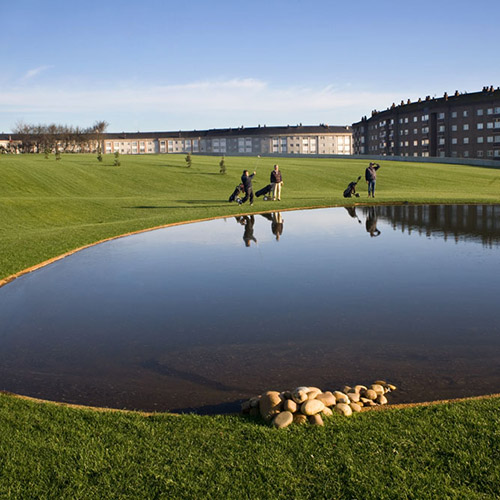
(48, 208)
(447, 451)
(46, 451)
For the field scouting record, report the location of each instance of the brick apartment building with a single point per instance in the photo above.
(458, 126)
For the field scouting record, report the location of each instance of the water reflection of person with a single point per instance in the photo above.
(352, 212)
(277, 225)
(371, 222)
(248, 221)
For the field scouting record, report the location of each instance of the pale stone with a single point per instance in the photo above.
(360, 388)
(312, 388)
(346, 389)
(311, 407)
(340, 397)
(290, 405)
(381, 399)
(327, 398)
(326, 412)
(391, 387)
(313, 393)
(283, 419)
(355, 407)
(377, 388)
(298, 418)
(270, 404)
(380, 382)
(316, 419)
(364, 400)
(370, 394)
(343, 409)
(299, 395)
(353, 396)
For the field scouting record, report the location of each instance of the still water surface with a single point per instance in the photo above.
(197, 317)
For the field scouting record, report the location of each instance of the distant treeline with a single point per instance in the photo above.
(55, 138)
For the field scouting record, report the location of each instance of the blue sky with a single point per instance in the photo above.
(164, 65)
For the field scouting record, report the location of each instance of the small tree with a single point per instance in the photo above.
(99, 154)
(222, 165)
(188, 160)
(47, 153)
(117, 162)
(58, 154)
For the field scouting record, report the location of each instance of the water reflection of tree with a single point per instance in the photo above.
(248, 222)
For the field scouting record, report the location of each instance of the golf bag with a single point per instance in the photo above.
(350, 190)
(263, 191)
(236, 193)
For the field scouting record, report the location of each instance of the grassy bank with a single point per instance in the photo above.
(50, 207)
(445, 451)
(48, 451)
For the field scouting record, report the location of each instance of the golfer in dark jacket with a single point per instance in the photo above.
(371, 178)
(246, 180)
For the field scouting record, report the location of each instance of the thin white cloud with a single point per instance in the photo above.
(239, 97)
(34, 72)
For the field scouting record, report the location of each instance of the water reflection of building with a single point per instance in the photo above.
(460, 222)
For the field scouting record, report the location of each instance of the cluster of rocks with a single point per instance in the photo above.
(310, 404)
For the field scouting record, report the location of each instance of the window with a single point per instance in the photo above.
(406, 120)
(489, 139)
(479, 112)
(466, 140)
(489, 125)
(415, 143)
(490, 111)
(497, 153)
(480, 126)
(442, 128)
(497, 138)
(466, 154)
(441, 141)
(480, 140)
(415, 131)
(415, 119)
(454, 128)
(440, 116)
(425, 118)
(490, 152)
(425, 142)
(454, 140)
(497, 111)
(466, 126)
(453, 114)
(480, 154)
(466, 114)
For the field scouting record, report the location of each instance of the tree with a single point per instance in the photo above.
(222, 165)
(117, 162)
(188, 160)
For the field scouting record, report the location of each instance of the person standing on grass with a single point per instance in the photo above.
(276, 183)
(371, 178)
(246, 180)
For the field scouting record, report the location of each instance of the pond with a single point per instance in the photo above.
(199, 316)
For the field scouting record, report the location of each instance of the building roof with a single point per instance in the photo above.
(488, 94)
